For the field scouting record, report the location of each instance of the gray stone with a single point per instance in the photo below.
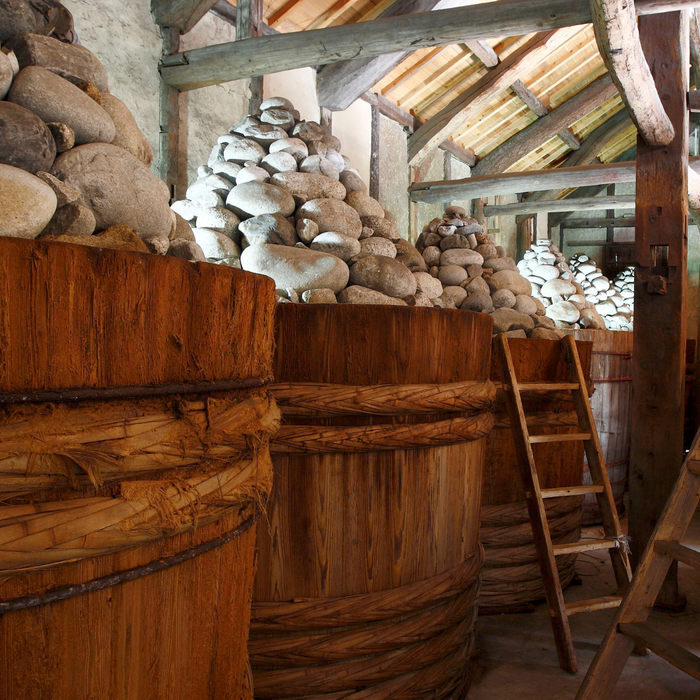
(277, 103)
(590, 318)
(264, 134)
(71, 61)
(456, 294)
(252, 173)
(525, 304)
(277, 116)
(384, 275)
(72, 219)
(268, 228)
(296, 268)
(242, 150)
(451, 275)
(432, 254)
(503, 298)
(338, 244)
(382, 227)
(25, 140)
(478, 301)
(307, 186)
(407, 255)
(118, 188)
(295, 147)
(332, 215)
(428, 284)
(214, 244)
(478, 284)
(333, 142)
(378, 246)
(545, 272)
(54, 99)
(317, 148)
(227, 170)
(319, 165)
(510, 320)
(220, 219)
(319, 296)
(6, 75)
(335, 158)
(352, 181)
(498, 264)
(308, 131)
(16, 17)
(356, 294)
(364, 205)
(279, 162)
(128, 135)
(563, 311)
(307, 230)
(186, 249)
(557, 287)
(255, 198)
(208, 183)
(508, 279)
(461, 256)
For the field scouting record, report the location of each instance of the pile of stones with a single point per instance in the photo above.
(624, 283)
(477, 275)
(606, 296)
(74, 166)
(278, 198)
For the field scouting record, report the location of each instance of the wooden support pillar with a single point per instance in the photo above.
(374, 154)
(169, 120)
(249, 21)
(327, 120)
(658, 367)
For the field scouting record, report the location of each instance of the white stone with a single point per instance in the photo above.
(606, 308)
(557, 287)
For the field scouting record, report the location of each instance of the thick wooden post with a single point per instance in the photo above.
(658, 367)
(169, 120)
(249, 20)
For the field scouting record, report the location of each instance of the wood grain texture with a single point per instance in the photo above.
(72, 316)
(353, 524)
(511, 573)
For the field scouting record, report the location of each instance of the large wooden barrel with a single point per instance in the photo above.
(368, 571)
(611, 372)
(134, 462)
(511, 575)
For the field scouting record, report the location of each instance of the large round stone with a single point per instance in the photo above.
(409, 256)
(241, 150)
(509, 279)
(378, 246)
(428, 284)
(563, 311)
(294, 147)
(356, 294)
(118, 188)
(352, 181)
(128, 135)
(268, 228)
(451, 275)
(307, 186)
(54, 99)
(331, 215)
(280, 162)
(557, 287)
(505, 319)
(26, 203)
(16, 17)
(363, 204)
(25, 140)
(462, 257)
(255, 198)
(296, 268)
(215, 245)
(384, 275)
(6, 75)
(338, 244)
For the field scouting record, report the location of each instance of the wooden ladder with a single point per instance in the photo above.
(629, 626)
(614, 540)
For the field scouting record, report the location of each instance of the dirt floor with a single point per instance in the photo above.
(515, 657)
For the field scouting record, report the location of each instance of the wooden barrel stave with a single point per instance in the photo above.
(158, 610)
(368, 570)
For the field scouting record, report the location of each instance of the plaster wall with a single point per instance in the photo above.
(299, 87)
(353, 127)
(393, 171)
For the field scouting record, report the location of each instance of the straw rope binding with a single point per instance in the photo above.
(409, 642)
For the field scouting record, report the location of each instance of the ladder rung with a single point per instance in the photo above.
(560, 437)
(681, 658)
(679, 552)
(548, 386)
(583, 606)
(577, 547)
(572, 491)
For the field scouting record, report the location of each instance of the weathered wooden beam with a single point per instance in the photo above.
(227, 12)
(484, 52)
(597, 244)
(528, 181)
(169, 121)
(410, 123)
(695, 47)
(615, 222)
(248, 24)
(374, 153)
(270, 54)
(569, 138)
(622, 201)
(449, 119)
(180, 14)
(615, 26)
(340, 84)
(658, 356)
(542, 130)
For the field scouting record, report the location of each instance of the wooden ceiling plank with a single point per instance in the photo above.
(474, 99)
(540, 131)
(483, 52)
(180, 14)
(415, 68)
(615, 26)
(282, 12)
(376, 11)
(330, 15)
(450, 84)
(228, 61)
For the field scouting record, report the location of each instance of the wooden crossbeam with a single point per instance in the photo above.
(221, 63)
(616, 222)
(180, 14)
(623, 201)
(483, 52)
(615, 26)
(228, 12)
(539, 132)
